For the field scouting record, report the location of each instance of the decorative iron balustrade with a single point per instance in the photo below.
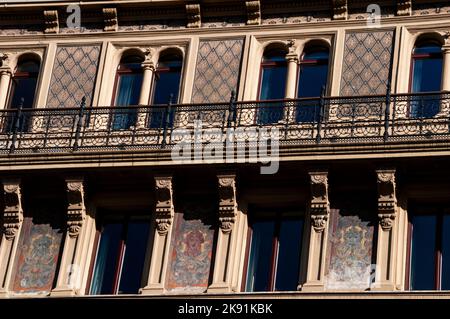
(324, 120)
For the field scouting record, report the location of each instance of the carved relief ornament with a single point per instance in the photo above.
(253, 12)
(387, 200)
(340, 10)
(164, 204)
(404, 7)
(13, 212)
(51, 21)
(227, 201)
(76, 210)
(110, 19)
(194, 18)
(320, 206)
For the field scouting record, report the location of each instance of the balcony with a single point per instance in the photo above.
(336, 124)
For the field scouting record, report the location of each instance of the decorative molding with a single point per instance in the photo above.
(320, 205)
(387, 200)
(292, 54)
(340, 10)
(227, 201)
(76, 210)
(13, 212)
(194, 17)
(4, 59)
(253, 12)
(164, 211)
(51, 21)
(110, 19)
(404, 7)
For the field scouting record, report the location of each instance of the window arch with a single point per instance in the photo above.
(312, 79)
(22, 91)
(127, 90)
(272, 84)
(426, 70)
(166, 86)
(24, 82)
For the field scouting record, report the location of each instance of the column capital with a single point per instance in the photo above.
(76, 210)
(164, 203)
(292, 57)
(13, 212)
(5, 70)
(446, 48)
(227, 201)
(148, 65)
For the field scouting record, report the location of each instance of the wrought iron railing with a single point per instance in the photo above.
(314, 121)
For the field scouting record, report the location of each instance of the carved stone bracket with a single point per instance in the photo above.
(164, 204)
(292, 55)
(404, 7)
(387, 200)
(76, 210)
(320, 205)
(51, 21)
(227, 201)
(194, 18)
(253, 12)
(340, 10)
(13, 212)
(110, 19)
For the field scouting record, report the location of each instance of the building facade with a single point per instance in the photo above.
(225, 147)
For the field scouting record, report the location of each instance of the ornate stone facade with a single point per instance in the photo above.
(164, 204)
(76, 210)
(387, 200)
(320, 205)
(13, 212)
(227, 201)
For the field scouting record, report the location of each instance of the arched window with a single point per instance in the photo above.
(312, 79)
(24, 83)
(127, 91)
(272, 85)
(23, 90)
(427, 60)
(166, 86)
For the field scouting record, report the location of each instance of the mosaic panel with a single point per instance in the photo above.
(350, 250)
(192, 246)
(217, 71)
(367, 63)
(73, 76)
(37, 260)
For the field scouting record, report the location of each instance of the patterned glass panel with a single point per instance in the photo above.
(217, 72)
(191, 248)
(73, 77)
(38, 252)
(367, 63)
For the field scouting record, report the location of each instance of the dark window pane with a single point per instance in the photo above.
(423, 252)
(290, 241)
(427, 75)
(311, 80)
(445, 276)
(128, 92)
(133, 262)
(428, 49)
(273, 84)
(107, 258)
(23, 88)
(260, 259)
(167, 83)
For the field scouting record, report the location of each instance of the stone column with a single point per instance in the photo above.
(69, 276)
(12, 222)
(387, 206)
(445, 86)
(148, 70)
(318, 221)
(5, 79)
(164, 215)
(291, 79)
(226, 241)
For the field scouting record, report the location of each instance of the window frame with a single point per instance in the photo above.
(277, 216)
(124, 219)
(439, 211)
(21, 75)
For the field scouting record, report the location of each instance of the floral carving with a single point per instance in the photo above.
(110, 18)
(13, 213)
(319, 222)
(386, 221)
